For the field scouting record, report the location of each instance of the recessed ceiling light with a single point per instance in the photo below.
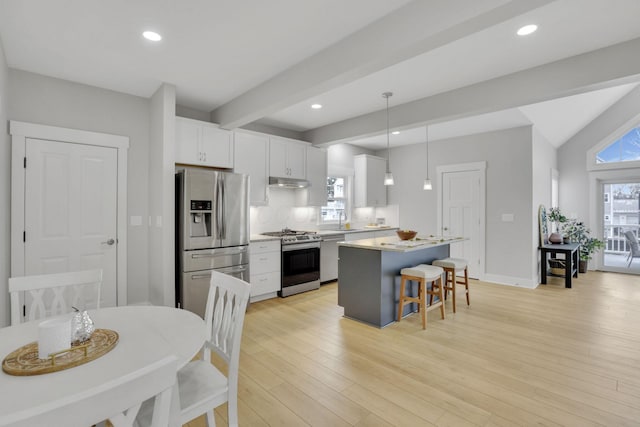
(527, 29)
(152, 35)
(395, 132)
(316, 106)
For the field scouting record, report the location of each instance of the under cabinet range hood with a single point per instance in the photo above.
(288, 182)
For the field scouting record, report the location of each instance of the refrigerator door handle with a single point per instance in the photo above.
(225, 253)
(218, 219)
(223, 197)
(200, 276)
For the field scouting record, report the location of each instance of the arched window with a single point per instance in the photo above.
(620, 150)
(625, 149)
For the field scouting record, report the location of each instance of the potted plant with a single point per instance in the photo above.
(587, 248)
(576, 232)
(558, 218)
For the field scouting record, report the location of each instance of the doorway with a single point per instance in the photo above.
(621, 226)
(462, 213)
(68, 204)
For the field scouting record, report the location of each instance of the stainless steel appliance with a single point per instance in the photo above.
(329, 257)
(300, 261)
(212, 232)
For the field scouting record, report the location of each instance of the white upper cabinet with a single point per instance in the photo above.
(369, 188)
(252, 158)
(316, 193)
(203, 144)
(287, 158)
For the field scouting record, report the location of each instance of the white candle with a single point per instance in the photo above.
(53, 335)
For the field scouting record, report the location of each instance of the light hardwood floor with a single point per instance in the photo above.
(550, 356)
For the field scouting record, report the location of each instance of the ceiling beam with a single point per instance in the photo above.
(411, 30)
(610, 66)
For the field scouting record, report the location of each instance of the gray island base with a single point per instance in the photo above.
(369, 275)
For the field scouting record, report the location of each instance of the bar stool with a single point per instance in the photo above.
(422, 274)
(450, 265)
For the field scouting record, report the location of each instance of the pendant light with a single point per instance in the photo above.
(388, 176)
(427, 182)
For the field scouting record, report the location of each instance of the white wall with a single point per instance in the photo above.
(545, 158)
(46, 100)
(5, 190)
(508, 190)
(340, 156)
(162, 196)
(572, 155)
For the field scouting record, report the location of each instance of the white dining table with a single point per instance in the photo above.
(146, 335)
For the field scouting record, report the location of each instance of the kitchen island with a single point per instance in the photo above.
(369, 274)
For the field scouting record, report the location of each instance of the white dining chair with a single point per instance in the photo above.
(202, 387)
(52, 294)
(117, 400)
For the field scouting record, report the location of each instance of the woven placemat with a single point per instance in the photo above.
(24, 361)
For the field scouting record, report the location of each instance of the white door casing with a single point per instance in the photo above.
(114, 147)
(70, 210)
(462, 200)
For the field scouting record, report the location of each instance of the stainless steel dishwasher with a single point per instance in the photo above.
(329, 257)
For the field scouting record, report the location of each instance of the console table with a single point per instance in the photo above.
(570, 251)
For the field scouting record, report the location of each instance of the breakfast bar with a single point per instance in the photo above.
(369, 274)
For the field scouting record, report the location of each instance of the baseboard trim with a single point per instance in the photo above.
(510, 281)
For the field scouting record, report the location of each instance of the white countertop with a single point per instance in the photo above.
(262, 237)
(394, 244)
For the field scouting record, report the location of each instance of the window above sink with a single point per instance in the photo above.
(338, 204)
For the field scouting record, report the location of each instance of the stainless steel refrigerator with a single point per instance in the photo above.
(212, 232)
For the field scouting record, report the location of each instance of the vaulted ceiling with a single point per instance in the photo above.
(455, 65)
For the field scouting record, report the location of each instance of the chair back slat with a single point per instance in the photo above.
(227, 302)
(53, 294)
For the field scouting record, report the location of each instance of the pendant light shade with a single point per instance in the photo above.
(388, 176)
(427, 182)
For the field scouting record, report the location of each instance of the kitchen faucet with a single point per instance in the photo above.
(340, 213)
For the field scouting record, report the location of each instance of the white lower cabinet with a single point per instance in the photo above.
(264, 263)
(329, 257)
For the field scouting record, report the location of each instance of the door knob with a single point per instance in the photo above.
(109, 242)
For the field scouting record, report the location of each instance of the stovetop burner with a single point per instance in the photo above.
(289, 236)
(288, 232)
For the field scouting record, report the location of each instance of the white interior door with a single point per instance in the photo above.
(71, 194)
(461, 215)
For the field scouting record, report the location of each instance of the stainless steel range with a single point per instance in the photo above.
(300, 261)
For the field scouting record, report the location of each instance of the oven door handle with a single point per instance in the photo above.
(297, 246)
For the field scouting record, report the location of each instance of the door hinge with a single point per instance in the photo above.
(25, 162)
(24, 236)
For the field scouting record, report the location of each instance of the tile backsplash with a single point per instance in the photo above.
(282, 212)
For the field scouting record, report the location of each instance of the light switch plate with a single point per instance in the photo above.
(136, 220)
(507, 217)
